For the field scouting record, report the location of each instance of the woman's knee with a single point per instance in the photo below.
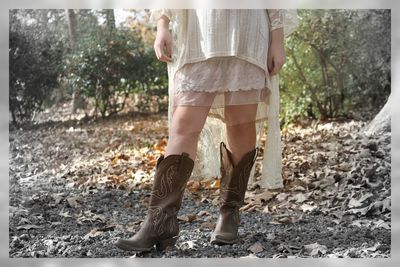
(241, 130)
(189, 120)
(240, 115)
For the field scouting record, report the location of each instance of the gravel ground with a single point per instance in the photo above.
(64, 230)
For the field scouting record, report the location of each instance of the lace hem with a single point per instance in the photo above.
(222, 90)
(223, 74)
(220, 99)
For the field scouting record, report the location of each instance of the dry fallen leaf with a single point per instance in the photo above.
(191, 244)
(160, 146)
(28, 226)
(207, 225)
(216, 184)
(93, 233)
(64, 214)
(73, 202)
(300, 197)
(260, 198)
(187, 217)
(381, 224)
(281, 197)
(361, 211)
(353, 203)
(248, 207)
(315, 249)
(306, 207)
(118, 158)
(58, 197)
(279, 219)
(256, 247)
(193, 185)
(203, 213)
(266, 209)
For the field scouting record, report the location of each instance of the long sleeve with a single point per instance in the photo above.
(276, 18)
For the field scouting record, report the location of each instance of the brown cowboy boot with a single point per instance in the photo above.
(234, 181)
(160, 227)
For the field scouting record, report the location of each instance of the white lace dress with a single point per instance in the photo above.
(220, 81)
(227, 71)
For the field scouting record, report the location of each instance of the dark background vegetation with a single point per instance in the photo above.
(338, 64)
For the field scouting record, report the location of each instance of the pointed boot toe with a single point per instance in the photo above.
(224, 238)
(129, 244)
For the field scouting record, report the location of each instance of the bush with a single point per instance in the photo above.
(338, 61)
(109, 65)
(34, 70)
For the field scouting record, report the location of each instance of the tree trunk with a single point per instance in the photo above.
(77, 99)
(381, 122)
(72, 27)
(110, 19)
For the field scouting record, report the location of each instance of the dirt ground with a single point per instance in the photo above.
(76, 187)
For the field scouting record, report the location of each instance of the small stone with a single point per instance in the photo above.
(372, 146)
(364, 153)
(256, 247)
(66, 237)
(315, 249)
(379, 154)
(24, 237)
(271, 236)
(15, 243)
(370, 172)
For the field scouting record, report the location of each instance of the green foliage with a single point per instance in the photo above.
(97, 66)
(34, 67)
(109, 65)
(338, 61)
(337, 64)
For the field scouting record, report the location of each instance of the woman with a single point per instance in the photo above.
(222, 69)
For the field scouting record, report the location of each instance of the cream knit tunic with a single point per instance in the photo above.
(203, 34)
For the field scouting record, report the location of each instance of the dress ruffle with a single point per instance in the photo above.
(220, 81)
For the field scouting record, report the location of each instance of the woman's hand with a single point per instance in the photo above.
(276, 52)
(163, 42)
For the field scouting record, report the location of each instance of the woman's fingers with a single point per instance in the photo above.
(158, 49)
(272, 66)
(276, 57)
(276, 66)
(270, 63)
(165, 58)
(163, 45)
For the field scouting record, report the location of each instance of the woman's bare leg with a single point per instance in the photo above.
(240, 129)
(187, 123)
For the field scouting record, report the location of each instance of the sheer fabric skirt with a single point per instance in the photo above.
(222, 81)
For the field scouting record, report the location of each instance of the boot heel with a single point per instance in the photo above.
(170, 242)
